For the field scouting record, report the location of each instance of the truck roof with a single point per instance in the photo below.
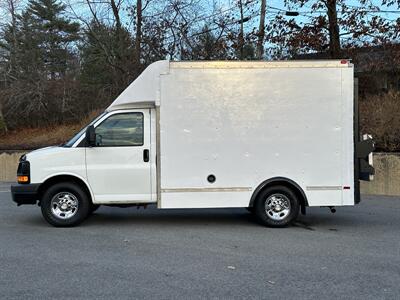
(145, 90)
(259, 64)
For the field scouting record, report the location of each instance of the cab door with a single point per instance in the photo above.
(118, 167)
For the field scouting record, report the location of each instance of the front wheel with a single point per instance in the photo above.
(65, 204)
(277, 206)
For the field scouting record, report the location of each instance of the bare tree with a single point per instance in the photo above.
(10, 6)
(138, 38)
(261, 31)
(316, 26)
(333, 27)
(241, 32)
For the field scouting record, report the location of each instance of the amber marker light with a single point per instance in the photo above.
(23, 179)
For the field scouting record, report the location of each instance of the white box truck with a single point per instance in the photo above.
(273, 137)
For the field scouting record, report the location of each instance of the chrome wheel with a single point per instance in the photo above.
(64, 205)
(277, 206)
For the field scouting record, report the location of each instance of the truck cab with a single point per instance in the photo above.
(120, 155)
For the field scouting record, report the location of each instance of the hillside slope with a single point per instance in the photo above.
(34, 138)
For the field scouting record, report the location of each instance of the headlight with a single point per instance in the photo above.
(23, 171)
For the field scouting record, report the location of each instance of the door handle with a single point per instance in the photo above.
(146, 155)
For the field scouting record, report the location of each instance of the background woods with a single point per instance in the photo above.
(62, 60)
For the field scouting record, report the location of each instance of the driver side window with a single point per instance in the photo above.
(119, 130)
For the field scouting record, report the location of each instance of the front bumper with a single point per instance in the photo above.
(25, 193)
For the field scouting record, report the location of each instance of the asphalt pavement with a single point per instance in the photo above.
(121, 253)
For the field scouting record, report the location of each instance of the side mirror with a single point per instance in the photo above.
(90, 136)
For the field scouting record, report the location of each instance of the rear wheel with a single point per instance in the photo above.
(65, 204)
(276, 206)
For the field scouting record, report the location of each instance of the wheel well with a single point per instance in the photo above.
(285, 182)
(64, 178)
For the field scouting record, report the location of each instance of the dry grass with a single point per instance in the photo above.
(380, 116)
(33, 138)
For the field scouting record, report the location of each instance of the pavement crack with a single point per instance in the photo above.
(303, 225)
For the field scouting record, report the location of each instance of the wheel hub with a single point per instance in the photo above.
(64, 205)
(277, 206)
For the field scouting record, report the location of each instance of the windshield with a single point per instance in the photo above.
(82, 131)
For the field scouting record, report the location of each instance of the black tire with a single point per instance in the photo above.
(250, 209)
(94, 207)
(277, 218)
(59, 191)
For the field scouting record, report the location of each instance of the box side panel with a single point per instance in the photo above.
(245, 126)
(348, 136)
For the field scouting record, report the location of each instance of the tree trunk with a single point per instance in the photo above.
(261, 31)
(3, 124)
(334, 38)
(120, 72)
(116, 15)
(241, 33)
(138, 39)
(11, 9)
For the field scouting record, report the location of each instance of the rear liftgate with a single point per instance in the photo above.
(363, 148)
